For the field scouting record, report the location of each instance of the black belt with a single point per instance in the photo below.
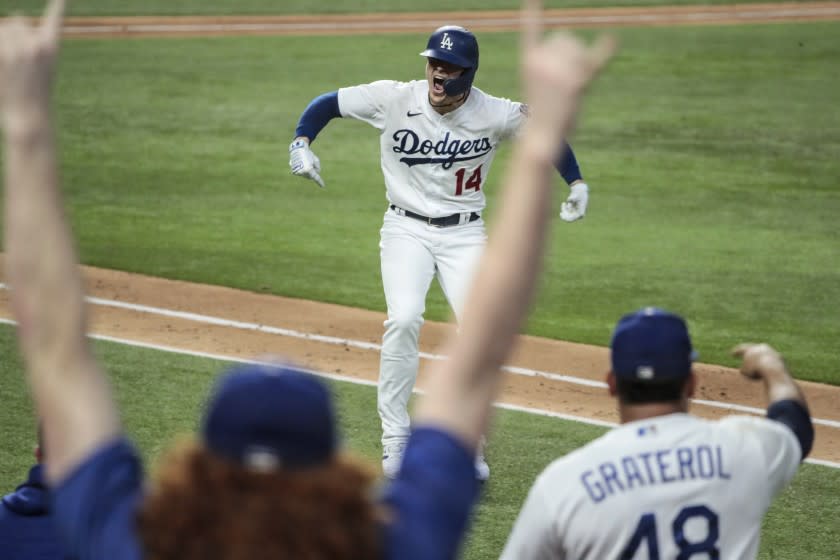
(443, 221)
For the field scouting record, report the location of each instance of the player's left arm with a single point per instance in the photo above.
(574, 208)
(568, 166)
(575, 205)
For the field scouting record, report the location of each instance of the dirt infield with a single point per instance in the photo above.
(422, 22)
(344, 340)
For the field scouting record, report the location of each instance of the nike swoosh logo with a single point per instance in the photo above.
(410, 114)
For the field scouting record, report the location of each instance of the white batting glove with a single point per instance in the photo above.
(575, 206)
(304, 162)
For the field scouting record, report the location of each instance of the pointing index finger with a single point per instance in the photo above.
(51, 21)
(530, 23)
(601, 52)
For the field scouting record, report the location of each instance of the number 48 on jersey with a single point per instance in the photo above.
(646, 531)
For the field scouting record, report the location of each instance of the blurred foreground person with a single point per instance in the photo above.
(27, 530)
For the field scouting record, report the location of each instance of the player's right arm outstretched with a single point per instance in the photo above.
(364, 102)
(302, 160)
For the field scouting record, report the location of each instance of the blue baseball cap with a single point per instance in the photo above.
(650, 344)
(270, 416)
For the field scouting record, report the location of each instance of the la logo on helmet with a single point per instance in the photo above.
(446, 42)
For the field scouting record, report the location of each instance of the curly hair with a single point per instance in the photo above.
(203, 507)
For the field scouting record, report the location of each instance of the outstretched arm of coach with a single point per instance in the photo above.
(786, 402)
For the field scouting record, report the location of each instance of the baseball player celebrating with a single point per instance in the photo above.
(665, 484)
(438, 137)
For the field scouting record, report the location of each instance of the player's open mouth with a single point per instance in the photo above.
(437, 84)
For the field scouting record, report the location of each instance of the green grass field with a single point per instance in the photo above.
(215, 7)
(711, 154)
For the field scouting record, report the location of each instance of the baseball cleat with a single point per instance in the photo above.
(482, 469)
(392, 455)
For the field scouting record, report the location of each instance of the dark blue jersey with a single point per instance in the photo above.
(27, 530)
(430, 501)
(431, 498)
(95, 507)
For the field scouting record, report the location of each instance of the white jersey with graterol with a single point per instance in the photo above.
(434, 165)
(673, 486)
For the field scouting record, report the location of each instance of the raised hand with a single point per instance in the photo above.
(27, 61)
(555, 72)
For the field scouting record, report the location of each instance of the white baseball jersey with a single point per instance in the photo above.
(673, 486)
(434, 165)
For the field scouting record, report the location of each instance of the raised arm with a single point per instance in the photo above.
(786, 402)
(72, 397)
(461, 390)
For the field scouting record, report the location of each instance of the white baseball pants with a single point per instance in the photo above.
(411, 254)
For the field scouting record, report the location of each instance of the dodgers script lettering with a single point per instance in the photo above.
(449, 150)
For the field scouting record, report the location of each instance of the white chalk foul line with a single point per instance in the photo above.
(218, 321)
(357, 381)
(209, 355)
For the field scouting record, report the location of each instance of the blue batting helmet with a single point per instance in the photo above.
(458, 46)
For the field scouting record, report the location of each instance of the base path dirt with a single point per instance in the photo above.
(552, 375)
(343, 24)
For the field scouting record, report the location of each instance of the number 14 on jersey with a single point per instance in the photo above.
(473, 183)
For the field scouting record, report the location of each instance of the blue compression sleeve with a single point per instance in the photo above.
(568, 166)
(796, 417)
(317, 114)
